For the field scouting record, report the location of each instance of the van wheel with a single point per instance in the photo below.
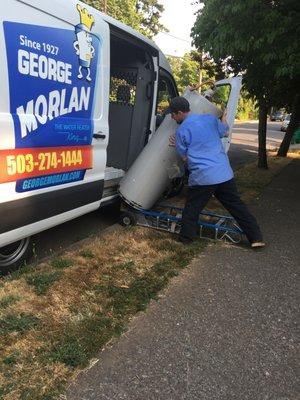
(15, 254)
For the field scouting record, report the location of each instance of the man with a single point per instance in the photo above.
(198, 142)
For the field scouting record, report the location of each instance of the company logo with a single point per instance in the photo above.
(86, 19)
(83, 45)
(52, 75)
(52, 82)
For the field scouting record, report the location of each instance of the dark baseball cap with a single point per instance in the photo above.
(178, 104)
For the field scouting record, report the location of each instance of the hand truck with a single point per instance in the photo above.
(168, 218)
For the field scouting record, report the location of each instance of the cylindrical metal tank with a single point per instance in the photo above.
(158, 163)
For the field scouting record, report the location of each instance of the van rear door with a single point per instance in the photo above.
(227, 95)
(53, 113)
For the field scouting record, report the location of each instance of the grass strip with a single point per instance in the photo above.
(6, 301)
(17, 323)
(43, 281)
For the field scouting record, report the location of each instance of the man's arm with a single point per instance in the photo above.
(179, 141)
(223, 126)
(182, 142)
(172, 142)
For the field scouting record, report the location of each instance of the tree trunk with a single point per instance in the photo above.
(200, 71)
(293, 125)
(105, 6)
(200, 80)
(262, 137)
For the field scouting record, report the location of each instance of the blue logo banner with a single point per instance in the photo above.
(52, 76)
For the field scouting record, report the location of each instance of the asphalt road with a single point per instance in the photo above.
(245, 141)
(243, 150)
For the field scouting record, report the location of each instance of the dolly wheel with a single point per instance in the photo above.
(128, 219)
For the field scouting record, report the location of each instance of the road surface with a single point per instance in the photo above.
(245, 141)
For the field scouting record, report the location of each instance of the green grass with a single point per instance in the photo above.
(82, 339)
(12, 358)
(34, 394)
(8, 300)
(79, 340)
(22, 271)
(86, 253)
(17, 323)
(69, 351)
(61, 263)
(99, 289)
(43, 281)
(127, 266)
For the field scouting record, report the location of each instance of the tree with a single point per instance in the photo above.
(288, 93)
(151, 11)
(185, 71)
(259, 39)
(247, 106)
(291, 129)
(142, 15)
(207, 68)
(194, 67)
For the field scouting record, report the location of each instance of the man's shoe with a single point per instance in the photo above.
(258, 245)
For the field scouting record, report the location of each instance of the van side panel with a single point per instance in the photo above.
(54, 98)
(18, 213)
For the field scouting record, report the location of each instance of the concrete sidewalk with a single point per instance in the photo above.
(225, 329)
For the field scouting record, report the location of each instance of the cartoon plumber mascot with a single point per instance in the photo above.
(83, 45)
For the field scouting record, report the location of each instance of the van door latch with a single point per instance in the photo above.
(99, 135)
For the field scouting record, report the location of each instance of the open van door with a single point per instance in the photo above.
(226, 95)
(53, 114)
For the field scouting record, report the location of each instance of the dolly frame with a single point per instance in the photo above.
(212, 226)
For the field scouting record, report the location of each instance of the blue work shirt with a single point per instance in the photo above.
(198, 139)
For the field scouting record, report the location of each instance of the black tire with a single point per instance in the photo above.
(127, 219)
(15, 255)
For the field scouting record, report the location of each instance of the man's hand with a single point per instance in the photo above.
(172, 141)
(224, 116)
(194, 87)
(197, 86)
(224, 121)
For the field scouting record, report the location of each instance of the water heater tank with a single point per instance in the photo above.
(158, 163)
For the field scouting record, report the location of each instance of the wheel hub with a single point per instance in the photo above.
(13, 252)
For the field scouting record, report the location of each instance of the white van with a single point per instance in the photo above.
(79, 95)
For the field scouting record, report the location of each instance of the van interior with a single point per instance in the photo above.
(130, 102)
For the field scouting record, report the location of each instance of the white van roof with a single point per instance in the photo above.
(163, 61)
(66, 7)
